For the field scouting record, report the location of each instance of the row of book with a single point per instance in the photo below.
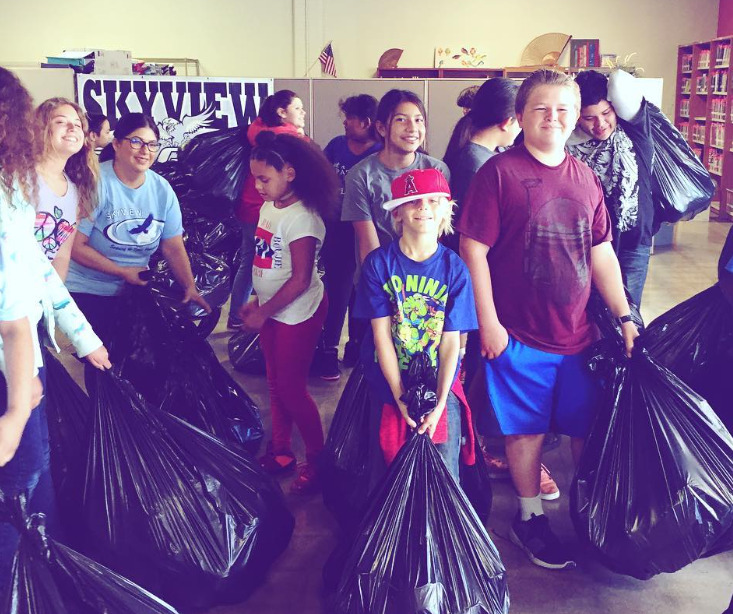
(703, 60)
(701, 84)
(722, 55)
(719, 81)
(585, 53)
(717, 135)
(718, 108)
(698, 133)
(715, 161)
(685, 107)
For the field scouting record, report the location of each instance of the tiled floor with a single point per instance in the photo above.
(705, 587)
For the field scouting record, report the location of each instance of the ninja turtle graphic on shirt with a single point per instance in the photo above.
(417, 321)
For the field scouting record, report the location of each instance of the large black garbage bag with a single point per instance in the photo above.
(177, 510)
(218, 162)
(421, 548)
(245, 353)
(50, 578)
(681, 185)
(172, 367)
(146, 342)
(694, 340)
(200, 391)
(344, 468)
(69, 414)
(420, 397)
(213, 281)
(654, 488)
(218, 237)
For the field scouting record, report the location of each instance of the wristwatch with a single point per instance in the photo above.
(624, 319)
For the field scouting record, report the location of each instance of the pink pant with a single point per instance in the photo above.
(288, 350)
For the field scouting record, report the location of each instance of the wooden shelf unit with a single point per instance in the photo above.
(704, 113)
(512, 72)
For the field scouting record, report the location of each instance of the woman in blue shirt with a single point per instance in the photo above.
(137, 212)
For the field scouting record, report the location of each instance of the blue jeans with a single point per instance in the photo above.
(242, 286)
(27, 471)
(634, 267)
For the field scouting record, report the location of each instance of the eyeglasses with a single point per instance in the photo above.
(137, 143)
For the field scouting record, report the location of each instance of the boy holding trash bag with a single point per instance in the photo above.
(417, 294)
(614, 138)
(534, 233)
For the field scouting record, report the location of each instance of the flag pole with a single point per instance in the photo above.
(318, 59)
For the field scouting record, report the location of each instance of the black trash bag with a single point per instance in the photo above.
(171, 366)
(145, 342)
(421, 383)
(344, 460)
(694, 340)
(69, 415)
(218, 162)
(200, 391)
(175, 509)
(220, 238)
(50, 578)
(200, 204)
(245, 353)
(421, 549)
(213, 281)
(653, 490)
(176, 175)
(681, 185)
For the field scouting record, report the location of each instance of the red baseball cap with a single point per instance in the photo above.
(417, 184)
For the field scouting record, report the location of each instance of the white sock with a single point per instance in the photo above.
(529, 506)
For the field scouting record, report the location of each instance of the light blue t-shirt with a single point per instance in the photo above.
(126, 227)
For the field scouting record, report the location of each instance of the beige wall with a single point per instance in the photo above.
(230, 37)
(280, 38)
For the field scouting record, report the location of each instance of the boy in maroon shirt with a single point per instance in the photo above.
(535, 233)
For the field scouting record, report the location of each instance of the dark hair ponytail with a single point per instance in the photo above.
(279, 100)
(493, 104)
(315, 183)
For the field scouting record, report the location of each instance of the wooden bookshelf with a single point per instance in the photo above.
(704, 113)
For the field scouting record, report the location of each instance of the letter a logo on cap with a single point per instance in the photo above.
(410, 187)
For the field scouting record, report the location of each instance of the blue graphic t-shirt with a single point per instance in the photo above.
(338, 153)
(126, 227)
(423, 299)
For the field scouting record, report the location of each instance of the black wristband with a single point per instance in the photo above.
(624, 319)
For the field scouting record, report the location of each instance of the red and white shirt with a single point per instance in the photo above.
(272, 266)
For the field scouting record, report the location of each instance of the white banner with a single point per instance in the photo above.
(182, 107)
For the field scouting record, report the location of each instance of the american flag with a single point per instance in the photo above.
(327, 62)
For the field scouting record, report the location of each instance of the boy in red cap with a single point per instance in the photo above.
(538, 215)
(417, 294)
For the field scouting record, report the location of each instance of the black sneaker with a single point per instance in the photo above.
(328, 364)
(539, 543)
(351, 354)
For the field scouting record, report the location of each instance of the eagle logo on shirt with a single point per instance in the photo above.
(136, 231)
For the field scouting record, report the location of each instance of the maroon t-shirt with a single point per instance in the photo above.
(540, 223)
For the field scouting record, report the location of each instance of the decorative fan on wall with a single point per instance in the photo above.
(545, 50)
(390, 58)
